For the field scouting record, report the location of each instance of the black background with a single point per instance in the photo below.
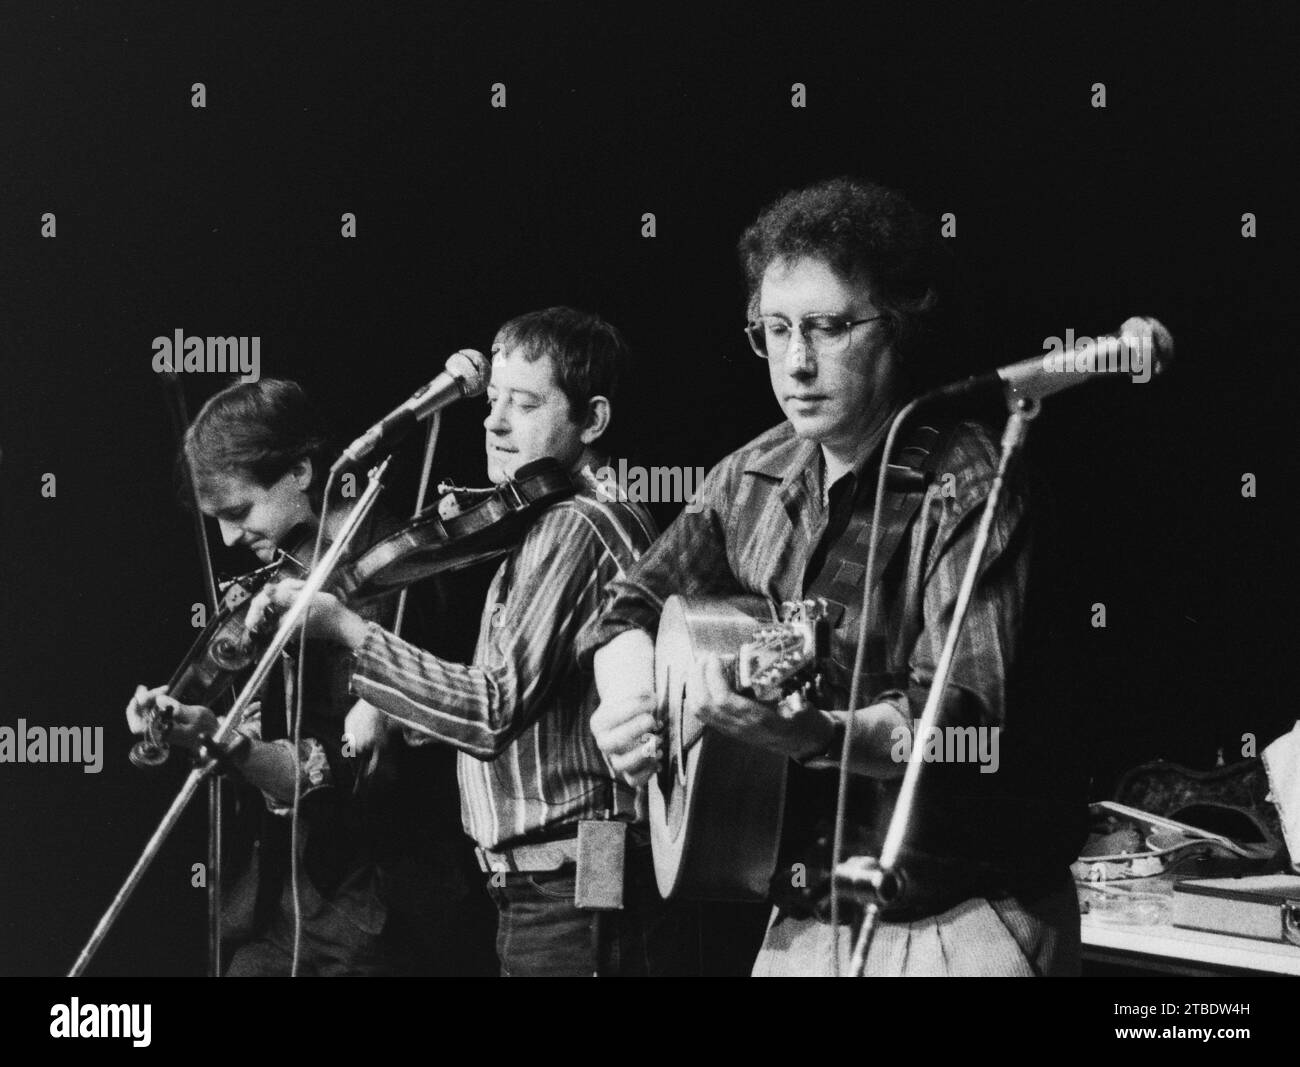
(226, 221)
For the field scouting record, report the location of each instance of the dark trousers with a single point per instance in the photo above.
(541, 933)
(333, 946)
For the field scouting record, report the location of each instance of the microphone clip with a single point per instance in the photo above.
(865, 881)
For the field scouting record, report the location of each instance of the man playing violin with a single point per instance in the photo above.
(846, 296)
(531, 776)
(257, 454)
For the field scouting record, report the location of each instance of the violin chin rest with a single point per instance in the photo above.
(537, 466)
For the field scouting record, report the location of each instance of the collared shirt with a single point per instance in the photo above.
(528, 766)
(759, 520)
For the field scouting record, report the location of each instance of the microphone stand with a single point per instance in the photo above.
(212, 751)
(876, 882)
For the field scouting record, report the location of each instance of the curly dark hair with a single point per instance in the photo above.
(589, 354)
(866, 232)
(258, 430)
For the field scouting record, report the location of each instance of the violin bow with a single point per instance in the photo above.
(1173, 824)
(430, 444)
(176, 407)
(179, 413)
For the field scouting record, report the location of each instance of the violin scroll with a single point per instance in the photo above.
(153, 750)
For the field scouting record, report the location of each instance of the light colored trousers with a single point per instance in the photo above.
(979, 937)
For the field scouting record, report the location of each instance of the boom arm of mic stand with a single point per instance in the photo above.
(849, 873)
(289, 624)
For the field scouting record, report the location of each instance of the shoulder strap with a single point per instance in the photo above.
(589, 511)
(840, 580)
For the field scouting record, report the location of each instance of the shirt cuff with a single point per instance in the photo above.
(364, 656)
(314, 773)
(899, 701)
(601, 630)
(829, 757)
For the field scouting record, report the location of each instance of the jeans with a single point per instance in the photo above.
(541, 933)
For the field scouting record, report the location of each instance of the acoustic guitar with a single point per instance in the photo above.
(717, 803)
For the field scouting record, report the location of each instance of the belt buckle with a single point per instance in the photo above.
(544, 858)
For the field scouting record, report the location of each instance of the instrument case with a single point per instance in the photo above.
(1265, 907)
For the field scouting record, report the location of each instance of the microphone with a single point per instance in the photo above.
(466, 374)
(1142, 347)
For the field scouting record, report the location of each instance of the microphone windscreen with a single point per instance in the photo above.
(472, 368)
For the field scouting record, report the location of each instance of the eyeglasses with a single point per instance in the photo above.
(823, 335)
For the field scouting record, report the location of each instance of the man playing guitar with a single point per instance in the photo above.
(846, 297)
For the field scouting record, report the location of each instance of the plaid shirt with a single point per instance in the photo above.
(528, 767)
(760, 518)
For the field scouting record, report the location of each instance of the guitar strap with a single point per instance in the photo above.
(840, 579)
(810, 794)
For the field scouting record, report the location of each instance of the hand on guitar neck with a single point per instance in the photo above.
(792, 728)
(629, 723)
(628, 730)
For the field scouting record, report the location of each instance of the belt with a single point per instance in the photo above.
(545, 856)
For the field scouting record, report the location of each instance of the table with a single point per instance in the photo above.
(1166, 949)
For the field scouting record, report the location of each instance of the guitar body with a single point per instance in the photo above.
(717, 804)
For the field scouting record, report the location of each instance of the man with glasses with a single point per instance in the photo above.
(847, 306)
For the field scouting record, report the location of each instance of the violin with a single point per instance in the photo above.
(1167, 816)
(1130, 843)
(468, 526)
(219, 654)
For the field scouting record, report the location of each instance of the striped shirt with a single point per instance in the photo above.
(529, 767)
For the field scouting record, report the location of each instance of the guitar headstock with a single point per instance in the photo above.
(782, 657)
